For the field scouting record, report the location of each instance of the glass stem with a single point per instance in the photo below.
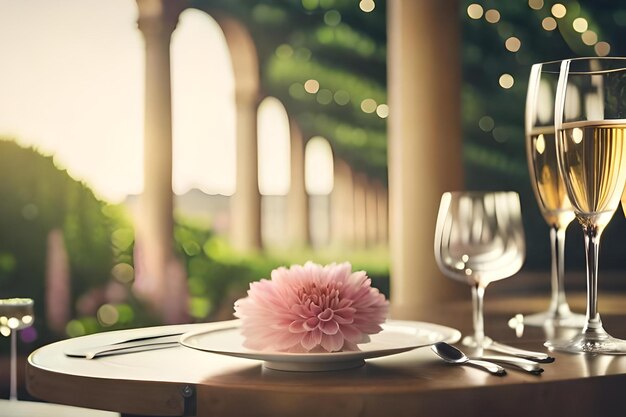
(13, 383)
(592, 245)
(558, 303)
(478, 293)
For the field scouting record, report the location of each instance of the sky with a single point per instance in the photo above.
(72, 85)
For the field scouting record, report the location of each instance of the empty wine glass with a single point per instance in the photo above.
(549, 188)
(479, 239)
(590, 122)
(15, 314)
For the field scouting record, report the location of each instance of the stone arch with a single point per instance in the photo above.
(297, 200)
(319, 187)
(274, 145)
(245, 222)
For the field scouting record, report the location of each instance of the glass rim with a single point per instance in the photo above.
(477, 193)
(559, 62)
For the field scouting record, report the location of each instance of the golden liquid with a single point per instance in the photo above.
(593, 155)
(547, 181)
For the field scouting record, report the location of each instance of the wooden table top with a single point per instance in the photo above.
(182, 381)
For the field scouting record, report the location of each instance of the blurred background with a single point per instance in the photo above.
(125, 204)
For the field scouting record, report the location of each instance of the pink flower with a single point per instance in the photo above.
(311, 308)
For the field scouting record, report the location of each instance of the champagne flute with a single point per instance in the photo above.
(549, 189)
(479, 239)
(15, 314)
(590, 122)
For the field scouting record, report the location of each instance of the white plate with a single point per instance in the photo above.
(397, 336)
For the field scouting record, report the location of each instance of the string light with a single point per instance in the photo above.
(492, 16)
(475, 11)
(368, 105)
(506, 81)
(513, 44)
(589, 37)
(558, 10)
(382, 111)
(548, 23)
(367, 5)
(580, 24)
(312, 86)
(602, 48)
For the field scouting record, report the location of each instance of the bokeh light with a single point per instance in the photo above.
(475, 11)
(548, 23)
(324, 96)
(382, 111)
(312, 86)
(342, 97)
(486, 124)
(580, 24)
(589, 37)
(332, 18)
(492, 16)
(513, 44)
(506, 81)
(107, 315)
(368, 105)
(602, 48)
(284, 51)
(535, 4)
(367, 5)
(123, 273)
(558, 10)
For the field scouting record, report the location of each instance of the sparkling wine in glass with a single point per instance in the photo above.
(479, 239)
(15, 314)
(590, 121)
(549, 189)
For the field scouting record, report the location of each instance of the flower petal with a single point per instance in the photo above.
(332, 343)
(329, 327)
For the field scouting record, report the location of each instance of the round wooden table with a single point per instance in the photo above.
(181, 381)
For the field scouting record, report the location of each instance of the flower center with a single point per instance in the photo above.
(326, 315)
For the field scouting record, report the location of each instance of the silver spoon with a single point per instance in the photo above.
(451, 354)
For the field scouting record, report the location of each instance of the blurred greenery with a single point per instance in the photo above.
(99, 239)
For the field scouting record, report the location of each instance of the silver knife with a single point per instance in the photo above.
(139, 344)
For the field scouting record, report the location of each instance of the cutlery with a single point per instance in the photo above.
(139, 344)
(520, 353)
(453, 355)
(520, 363)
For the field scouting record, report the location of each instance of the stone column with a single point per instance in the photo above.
(382, 212)
(360, 210)
(424, 79)
(297, 199)
(371, 214)
(245, 222)
(342, 206)
(155, 237)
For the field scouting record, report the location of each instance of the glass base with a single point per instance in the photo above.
(598, 341)
(555, 319)
(470, 341)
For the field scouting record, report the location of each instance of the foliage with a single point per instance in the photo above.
(336, 44)
(99, 239)
(37, 197)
